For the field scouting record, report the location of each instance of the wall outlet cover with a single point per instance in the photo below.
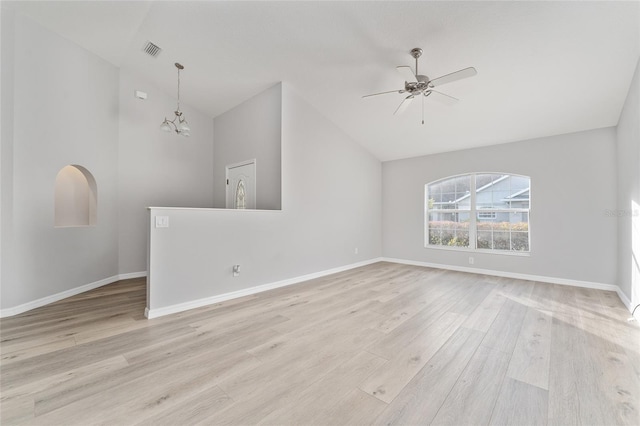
(162, 221)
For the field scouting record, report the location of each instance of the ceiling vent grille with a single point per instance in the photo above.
(151, 49)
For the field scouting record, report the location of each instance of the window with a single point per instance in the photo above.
(480, 211)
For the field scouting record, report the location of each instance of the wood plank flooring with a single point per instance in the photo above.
(382, 344)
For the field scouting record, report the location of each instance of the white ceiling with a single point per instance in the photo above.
(544, 68)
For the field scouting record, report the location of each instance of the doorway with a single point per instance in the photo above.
(241, 185)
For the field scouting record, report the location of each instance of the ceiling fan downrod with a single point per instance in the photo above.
(416, 52)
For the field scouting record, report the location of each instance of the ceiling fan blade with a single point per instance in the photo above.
(442, 97)
(384, 93)
(454, 76)
(403, 105)
(407, 73)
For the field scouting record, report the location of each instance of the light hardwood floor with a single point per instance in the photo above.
(381, 344)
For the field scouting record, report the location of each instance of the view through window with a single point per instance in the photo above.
(483, 211)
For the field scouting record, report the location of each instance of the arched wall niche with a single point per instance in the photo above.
(76, 197)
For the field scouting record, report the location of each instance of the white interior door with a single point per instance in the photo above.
(241, 185)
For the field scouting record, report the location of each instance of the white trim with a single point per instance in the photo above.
(172, 309)
(628, 303)
(528, 277)
(131, 275)
(212, 209)
(7, 312)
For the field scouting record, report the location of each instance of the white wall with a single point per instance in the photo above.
(6, 146)
(628, 209)
(157, 168)
(331, 205)
(572, 186)
(64, 106)
(251, 130)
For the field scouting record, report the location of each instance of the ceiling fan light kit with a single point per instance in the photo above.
(416, 84)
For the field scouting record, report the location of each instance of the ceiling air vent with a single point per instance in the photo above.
(151, 49)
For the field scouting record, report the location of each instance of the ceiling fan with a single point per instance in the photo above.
(422, 86)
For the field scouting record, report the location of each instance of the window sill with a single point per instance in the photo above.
(488, 251)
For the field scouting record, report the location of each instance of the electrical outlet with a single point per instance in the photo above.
(162, 221)
(355, 251)
(471, 260)
(140, 94)
(236, 270)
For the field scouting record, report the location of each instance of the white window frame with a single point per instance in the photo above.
(473, 215)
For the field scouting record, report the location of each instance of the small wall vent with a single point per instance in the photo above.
(151, 49)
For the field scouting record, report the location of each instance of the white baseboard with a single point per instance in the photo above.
(628, 304)
(7, 312)
(551, 280)
(172, 309)
(528, 277)
(130, 275)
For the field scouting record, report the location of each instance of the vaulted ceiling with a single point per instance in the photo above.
(544, 68)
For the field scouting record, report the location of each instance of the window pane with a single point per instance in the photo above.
(485, 223)
(519, 204)
(461, 239)
(434, 200)
(463, 184)
(501, 240)
(449, 198)
(494, 191)
(519, 221)
(520, 231)
(520, 241)
(464, 217)
(452, 193)
(449, 229)
(484, 239)
(507, 231)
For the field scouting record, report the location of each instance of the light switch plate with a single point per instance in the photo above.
(162, 221)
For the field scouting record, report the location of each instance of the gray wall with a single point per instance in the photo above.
(63, 105)
(6, 148)
(64, 109)
(251, 130)
(157, 168)
(331, 205)
(628, 152)
(572, 184)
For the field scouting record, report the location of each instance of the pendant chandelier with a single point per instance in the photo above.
(179, 123)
